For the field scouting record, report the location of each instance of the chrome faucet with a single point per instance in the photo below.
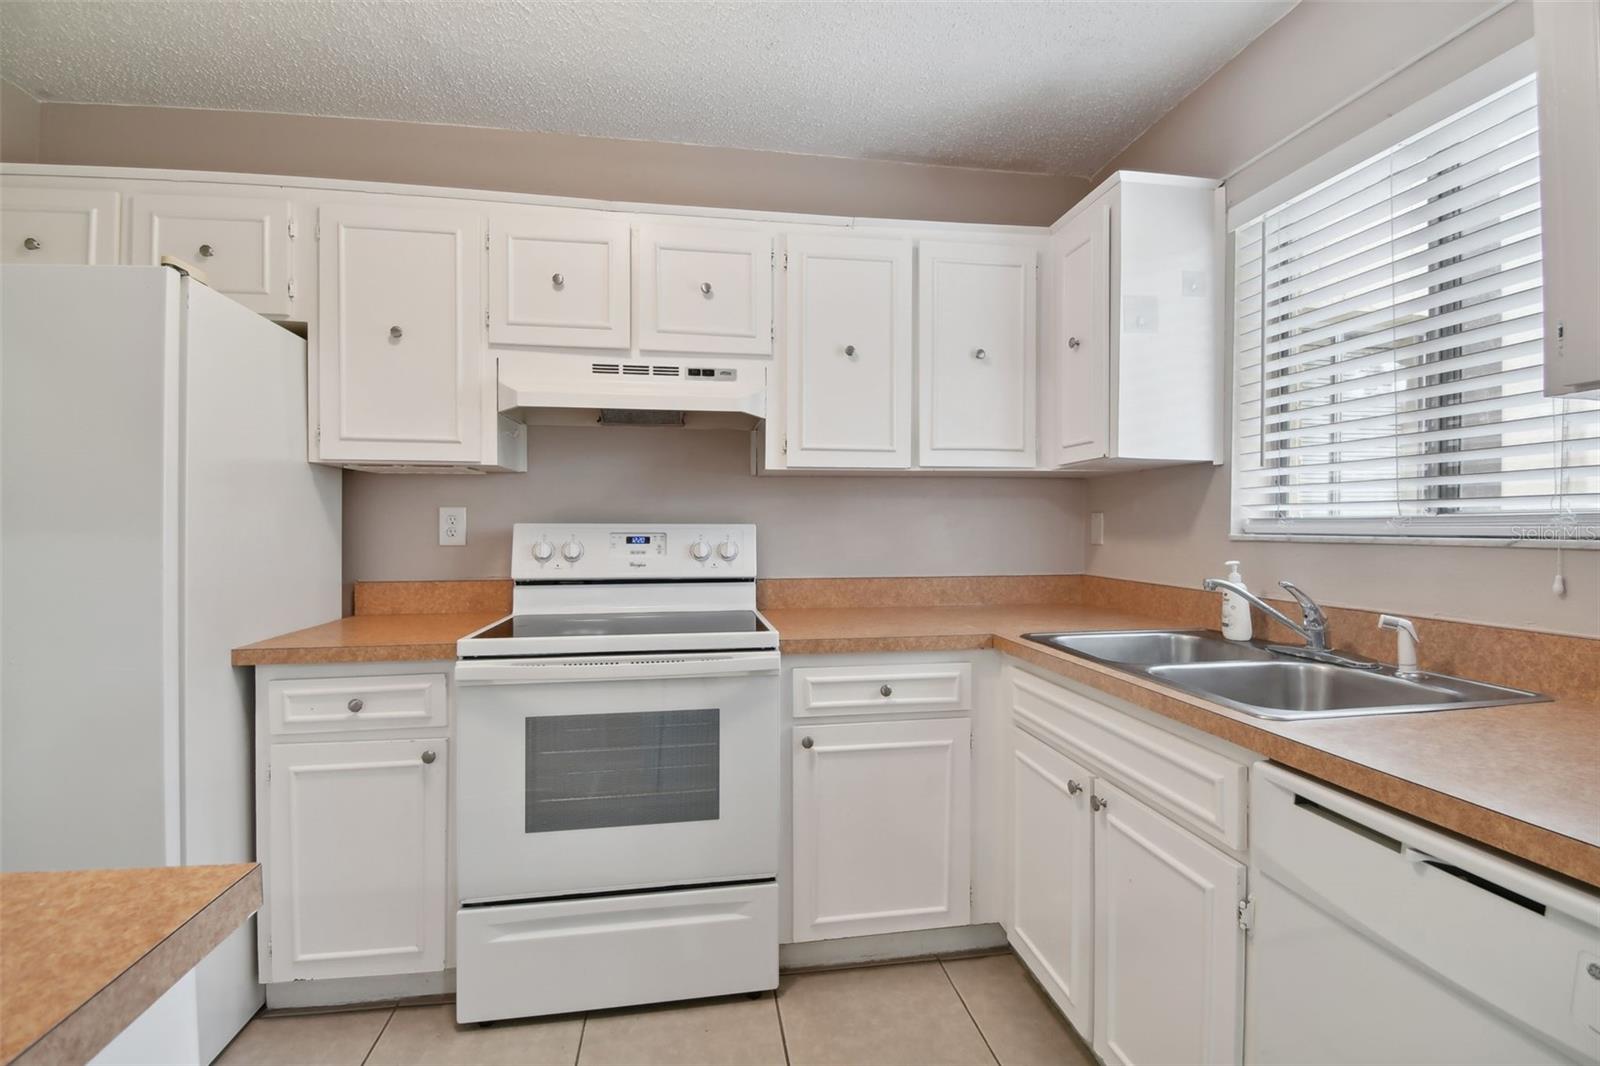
(1313, 624)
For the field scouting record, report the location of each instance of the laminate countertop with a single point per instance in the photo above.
(84, 952)
(1523, 779)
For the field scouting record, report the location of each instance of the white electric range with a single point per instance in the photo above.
(618, 766)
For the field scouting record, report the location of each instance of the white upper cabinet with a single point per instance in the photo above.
(882, 826)
(559, 278)
(1132, 364)
(1169, 953)
(402, 375)
(976, 355)
(240, 245)
(1569, 180)
(58, 226)
(705, 289)
(847, 351)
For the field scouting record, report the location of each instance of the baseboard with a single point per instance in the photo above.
(890, 947)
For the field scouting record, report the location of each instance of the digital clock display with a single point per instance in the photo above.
(637, 538)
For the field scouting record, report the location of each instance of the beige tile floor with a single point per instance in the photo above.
(978, 1010)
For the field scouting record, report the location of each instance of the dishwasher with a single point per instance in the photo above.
(1377, 939)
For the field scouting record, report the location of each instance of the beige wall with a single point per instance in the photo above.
(19, 125)
(551, 164)
(1172, 525)
(809, 526)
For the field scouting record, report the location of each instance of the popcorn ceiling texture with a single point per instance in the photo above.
(1054, 88)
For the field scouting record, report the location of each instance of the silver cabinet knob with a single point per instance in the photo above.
(980, 354)
(1594, 970)
(705, 288)
(806, 743)
(557, 280)
(206, 251)
(1098, 804)
(428, 757)
(31, 244)
(1073, 788)
(1072, 342)
(395, 333)
(850, 350)
(355, 705)
(885, 691)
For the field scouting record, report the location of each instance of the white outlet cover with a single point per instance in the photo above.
(452, 527)
(1097, 527)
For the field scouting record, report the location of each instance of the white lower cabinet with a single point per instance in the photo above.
(1169, 953)
(1128, 919)
(882, 826)
(1052, 874)
(357, 863)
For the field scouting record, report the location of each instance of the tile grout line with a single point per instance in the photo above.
(783, 1036)
(379, 1037)
(583, 1028)
(963, 1000)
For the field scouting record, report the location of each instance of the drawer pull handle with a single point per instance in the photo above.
(850, 350)
(1073, 343)
(31, 244)
(885, 691)
(1098, 804)
(557, 280)
(206, 251)
(980, 354)
(355, 705)
(428, 757)
(1073, 788)
(705, 289)
(806, 743)
(395, 333)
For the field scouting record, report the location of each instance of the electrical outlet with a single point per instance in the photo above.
(452, 526)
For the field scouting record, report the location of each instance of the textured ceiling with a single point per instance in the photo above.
(1047, 87)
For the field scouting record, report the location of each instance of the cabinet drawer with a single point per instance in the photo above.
(344, 704)
(832, 691)
(240, 245)
(1193, 784)
(705, 290)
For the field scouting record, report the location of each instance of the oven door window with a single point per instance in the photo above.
(593, 771)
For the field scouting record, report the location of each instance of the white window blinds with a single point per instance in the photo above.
(1388, 347)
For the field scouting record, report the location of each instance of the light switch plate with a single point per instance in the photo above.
(452, 526)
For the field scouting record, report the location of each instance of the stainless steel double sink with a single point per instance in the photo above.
(1253, 678)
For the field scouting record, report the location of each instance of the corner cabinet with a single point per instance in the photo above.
(1126, 881)
(848, 350)
(1132, 371)
(403, 375)
(976, 366)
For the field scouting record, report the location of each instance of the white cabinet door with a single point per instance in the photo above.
(1052, 881)
(976, 366)
(1169, 954)
(402, 368)
(559, 279)
(357, 860)
(882, 817)
(59, 226)
(847, 345)
(239, 244)
(1569, 184)
(1080, 341)
(703, 289)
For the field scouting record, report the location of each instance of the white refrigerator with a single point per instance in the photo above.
(156, 510)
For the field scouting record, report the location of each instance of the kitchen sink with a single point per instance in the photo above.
(1261, 681)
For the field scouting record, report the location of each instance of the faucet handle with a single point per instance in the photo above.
(1308, 606)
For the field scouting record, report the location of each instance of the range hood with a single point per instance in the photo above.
(567, 389)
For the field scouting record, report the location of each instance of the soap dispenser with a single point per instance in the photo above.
(1236, 623)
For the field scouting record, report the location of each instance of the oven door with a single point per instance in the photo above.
(585, 775)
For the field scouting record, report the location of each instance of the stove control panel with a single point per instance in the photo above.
(637, 552)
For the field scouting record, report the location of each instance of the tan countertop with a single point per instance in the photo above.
(368, 638)
(84, 952)
(1523, 779)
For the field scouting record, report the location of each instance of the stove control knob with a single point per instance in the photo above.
(728, 549)
(700, 550)
(543, 550)
(572, 550)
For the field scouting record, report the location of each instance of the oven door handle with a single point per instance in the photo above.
(552, 671)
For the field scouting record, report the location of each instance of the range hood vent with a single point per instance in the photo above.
(566, 389)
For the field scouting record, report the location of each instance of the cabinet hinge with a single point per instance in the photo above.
(786, 260)
(1247, 913)
(291, 229)
(316, 231)
(291, 288)
(786, 445)
(485, 318)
